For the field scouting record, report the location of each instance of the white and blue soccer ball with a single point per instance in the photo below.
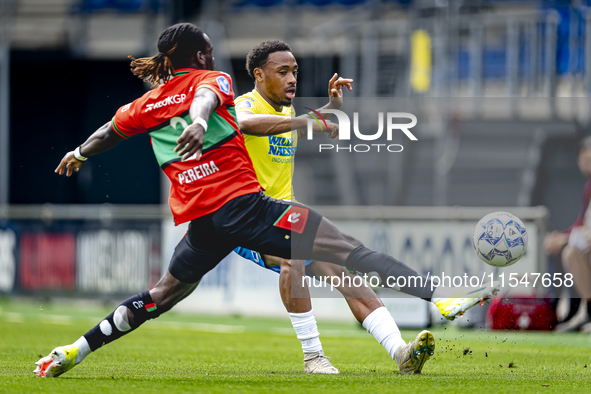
(500, 239)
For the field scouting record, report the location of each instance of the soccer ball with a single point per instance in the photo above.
(500, 239)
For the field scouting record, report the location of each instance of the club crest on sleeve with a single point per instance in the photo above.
(244, 104)
(223, 84)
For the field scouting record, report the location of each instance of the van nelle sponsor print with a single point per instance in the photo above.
(281, 149)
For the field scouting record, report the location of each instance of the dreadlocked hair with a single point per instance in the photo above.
(176, 46)
(156, 69)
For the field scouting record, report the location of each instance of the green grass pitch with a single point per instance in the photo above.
(182, 353)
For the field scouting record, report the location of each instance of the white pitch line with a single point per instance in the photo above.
(323, 332)
(13, 317)
(57, 319)
(283, 331)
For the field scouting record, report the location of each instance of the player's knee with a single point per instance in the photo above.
(354, 242)
(288, 264)
(347, 279)
(273, 261)
(169, 291)
(295, 268)
(327, 269)
(347, 243)
(285, 267)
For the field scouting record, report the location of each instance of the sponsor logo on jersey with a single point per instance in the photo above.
(255, 256)
(223, 84)
(197, 172)
(294, 218)
(280, 146)
(176, 99)
(125, 107)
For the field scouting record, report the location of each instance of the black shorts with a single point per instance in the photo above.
(255, 221)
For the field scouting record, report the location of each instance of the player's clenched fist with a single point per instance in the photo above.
(333, 129)
(190, 142)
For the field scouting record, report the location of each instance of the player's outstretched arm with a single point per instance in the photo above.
(191, 141)
(265, 125)
(101, 140)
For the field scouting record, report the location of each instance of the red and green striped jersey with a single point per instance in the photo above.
(224, 171)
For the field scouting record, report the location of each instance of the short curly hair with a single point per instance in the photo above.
(258, 56)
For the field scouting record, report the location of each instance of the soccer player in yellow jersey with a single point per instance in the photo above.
(261, 113)
(272, 156)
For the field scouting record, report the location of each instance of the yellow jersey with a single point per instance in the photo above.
(272, 156)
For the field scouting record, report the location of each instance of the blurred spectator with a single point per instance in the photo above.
(574, 245)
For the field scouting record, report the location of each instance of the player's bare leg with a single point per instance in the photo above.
(296, 299)
(128, 316)
(362, 300)
(332, 245)
(294, 294)
(369, 310)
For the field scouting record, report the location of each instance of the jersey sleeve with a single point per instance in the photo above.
(221, 84)
(126, 121)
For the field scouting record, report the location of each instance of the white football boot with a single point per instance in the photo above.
(318, 363)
